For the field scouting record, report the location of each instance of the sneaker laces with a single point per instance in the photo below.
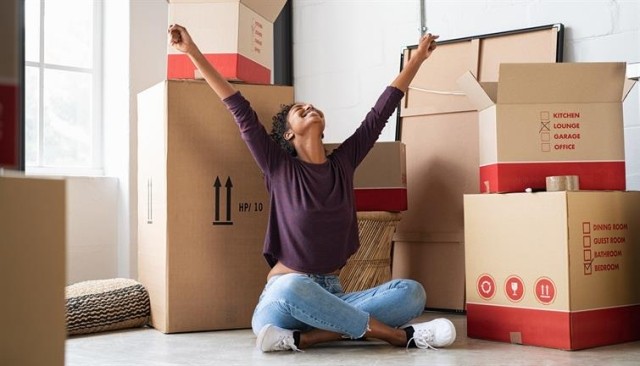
(286, 343)
(423, 339)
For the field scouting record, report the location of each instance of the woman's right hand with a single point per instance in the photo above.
(180, 39)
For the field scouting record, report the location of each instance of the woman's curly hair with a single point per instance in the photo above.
(280, 126)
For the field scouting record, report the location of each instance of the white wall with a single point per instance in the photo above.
(92, 228)
(345, 52)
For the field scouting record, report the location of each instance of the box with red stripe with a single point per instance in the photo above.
(234, 35)
(548, 119)
(553, 269)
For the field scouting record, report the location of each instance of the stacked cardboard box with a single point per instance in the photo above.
(380, 181)
(235, 35)
(202, 201)
(33, 220)
(202, 206)
(552, 269)
(544, 120)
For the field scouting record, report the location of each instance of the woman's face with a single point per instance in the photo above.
(302, 117)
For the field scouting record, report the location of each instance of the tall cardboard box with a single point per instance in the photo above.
(202, 206)
(10, 64)
(553, 269)
(234, 35)
(551, 119)
(380, 181)
(32, 270)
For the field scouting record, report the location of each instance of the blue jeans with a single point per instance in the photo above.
(304, 302)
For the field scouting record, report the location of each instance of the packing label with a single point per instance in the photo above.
(603, 246)
(559, 130)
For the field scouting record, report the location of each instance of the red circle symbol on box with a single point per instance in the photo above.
(486, 286)
(545, 290)
(514, 288)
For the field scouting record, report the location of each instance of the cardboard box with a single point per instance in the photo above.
(202, 206)
(553, 269)
(234, 35)
(439, 126)
(10, 64)
(438, 265)
(380, 181)
(32, 271)
(551, 119)
(429, 242)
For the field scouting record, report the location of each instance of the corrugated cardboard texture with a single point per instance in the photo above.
(32, 271)
(203, 206)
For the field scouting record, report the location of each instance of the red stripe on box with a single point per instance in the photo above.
(554, 329)
(9, 142)
(232, 66)
(381, 199)
(516, 177)
(605, 326)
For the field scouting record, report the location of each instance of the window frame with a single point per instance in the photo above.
(97, 125)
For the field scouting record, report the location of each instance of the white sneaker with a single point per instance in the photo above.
(272, 338)
(436, 333)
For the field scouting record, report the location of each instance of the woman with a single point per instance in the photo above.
(312, 228)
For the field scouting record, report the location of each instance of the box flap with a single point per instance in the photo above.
(268, 9)
(479, 94)
(628, 85)
(535, 83)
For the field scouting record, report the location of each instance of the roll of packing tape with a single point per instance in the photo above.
(563, 183)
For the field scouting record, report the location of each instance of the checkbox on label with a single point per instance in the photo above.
(587, 268)
(586, 241)
(586, 228)
(545, 136)
(587, 255)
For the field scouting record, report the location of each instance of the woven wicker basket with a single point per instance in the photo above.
(371, 264)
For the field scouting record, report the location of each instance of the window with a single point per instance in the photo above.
(63, 128)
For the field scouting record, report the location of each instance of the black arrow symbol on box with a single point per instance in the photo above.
(229, 185)
(217, 184)
(217, 200)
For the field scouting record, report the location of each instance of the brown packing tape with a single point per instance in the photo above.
(563, 183)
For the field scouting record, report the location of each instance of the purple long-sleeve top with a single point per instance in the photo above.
(312, 225)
